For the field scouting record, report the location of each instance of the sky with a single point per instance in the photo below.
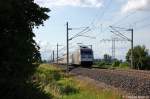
(98, 15)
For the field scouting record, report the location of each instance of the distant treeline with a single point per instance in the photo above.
(141, 60)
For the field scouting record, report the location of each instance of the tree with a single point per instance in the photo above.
(116, 63)
(140, 57)
(19, 51)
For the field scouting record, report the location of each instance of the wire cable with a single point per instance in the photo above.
(124, 18)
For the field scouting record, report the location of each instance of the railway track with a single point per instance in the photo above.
(135, 82)
(136, 73)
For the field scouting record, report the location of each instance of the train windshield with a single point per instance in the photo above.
(86, 52)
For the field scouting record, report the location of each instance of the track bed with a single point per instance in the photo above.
(134, 82)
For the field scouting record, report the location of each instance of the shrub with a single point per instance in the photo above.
(116, 63)
(101, 64)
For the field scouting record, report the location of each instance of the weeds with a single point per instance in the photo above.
(55, 82)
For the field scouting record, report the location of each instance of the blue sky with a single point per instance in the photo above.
(102, 13)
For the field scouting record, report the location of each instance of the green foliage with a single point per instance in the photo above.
(124, 65)
(116, 63)
(102, 64)
(19, 53)
(140, 57)
(68, 87)
(54, 81)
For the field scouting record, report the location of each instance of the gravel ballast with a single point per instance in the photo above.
(134, 82)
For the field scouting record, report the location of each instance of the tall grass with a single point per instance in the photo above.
(55, 82)
(91, 91)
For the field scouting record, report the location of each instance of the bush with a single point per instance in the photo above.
(101, 64)
(116, 64)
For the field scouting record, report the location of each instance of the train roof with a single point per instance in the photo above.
(83, 47)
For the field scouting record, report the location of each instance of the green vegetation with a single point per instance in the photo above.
(141, 58)
(102, 65)
(124, 65)
(55, 82)
(115, 65)
(19, 55)
(108, 63)
(90, 91)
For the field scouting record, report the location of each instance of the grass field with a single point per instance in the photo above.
(54, 81)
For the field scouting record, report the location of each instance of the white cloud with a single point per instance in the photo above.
(133, 5)
(75, 3)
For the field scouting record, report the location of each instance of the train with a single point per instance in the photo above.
(83, 56)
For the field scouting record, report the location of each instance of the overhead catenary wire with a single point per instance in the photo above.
(91, 26)
(80, 33)
(86, 30)
(118, 22)
(78, 28)
(102, 15)
(119, 34)
(64, 48)
(122, 19)
(136, 22)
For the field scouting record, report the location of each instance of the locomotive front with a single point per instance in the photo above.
(86, 56)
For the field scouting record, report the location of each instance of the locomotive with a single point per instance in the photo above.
(83, 56)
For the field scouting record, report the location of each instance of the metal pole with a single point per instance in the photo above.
(67, 48)
(112, 49)
(57, 53)
(131, 48)
(53, 56)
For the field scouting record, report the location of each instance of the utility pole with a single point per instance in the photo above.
(57, 53)
(67, 29)
(131, 48)
(68, 39)
(126, 38)
(53, 56)
(113, 48)
(114, 40)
